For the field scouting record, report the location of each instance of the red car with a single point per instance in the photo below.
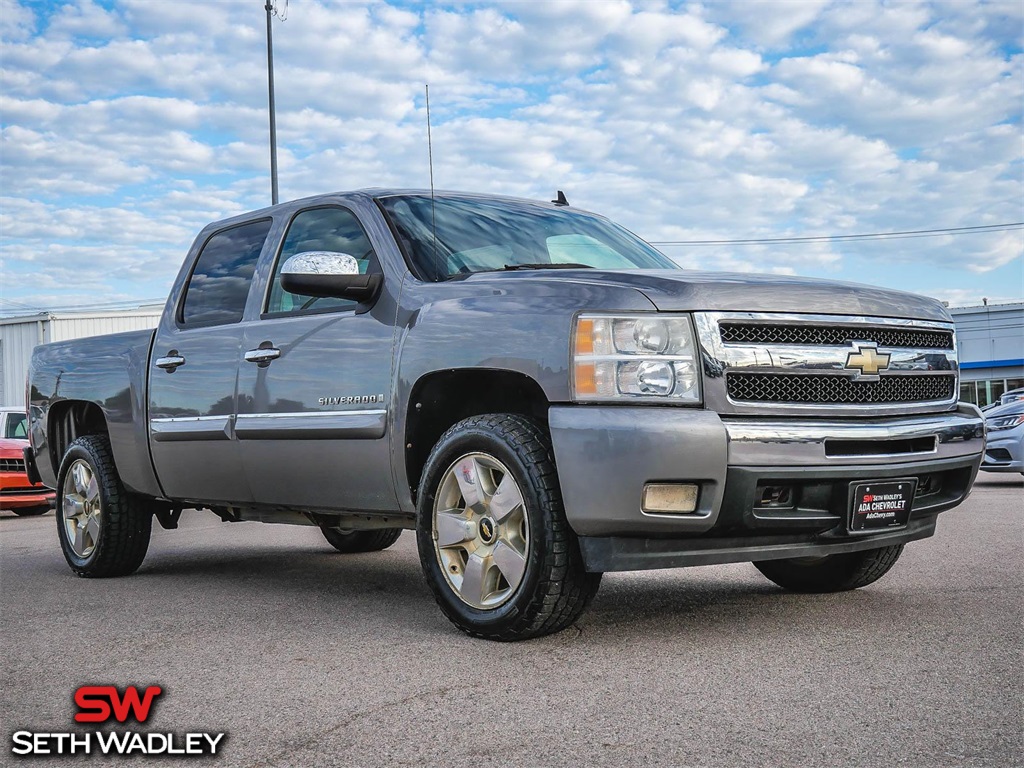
(16, 492)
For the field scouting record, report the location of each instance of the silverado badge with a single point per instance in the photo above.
(351, 399)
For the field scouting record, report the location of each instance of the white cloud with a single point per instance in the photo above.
(85, 19)
(17, 22)
(128, 127)
(768, 23)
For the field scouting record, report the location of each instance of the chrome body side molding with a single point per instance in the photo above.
(312, 425)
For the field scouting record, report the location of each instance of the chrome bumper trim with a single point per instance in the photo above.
(773, 442)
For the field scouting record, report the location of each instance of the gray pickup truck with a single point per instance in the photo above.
(539, 394)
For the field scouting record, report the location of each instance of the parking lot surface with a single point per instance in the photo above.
(307, 657)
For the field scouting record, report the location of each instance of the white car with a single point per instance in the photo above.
(1012, 396)
(13, 422)
(1004, 443)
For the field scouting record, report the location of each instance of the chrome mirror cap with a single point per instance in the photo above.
(321, 263)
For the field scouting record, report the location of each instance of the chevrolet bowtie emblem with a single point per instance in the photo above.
(867, 360)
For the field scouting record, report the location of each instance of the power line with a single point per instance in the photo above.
(17, 307)
(16, 304)
(910, 233)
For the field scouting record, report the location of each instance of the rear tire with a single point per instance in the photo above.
(31, 511)
(350, 542)
(494, 543)
(832, 573)
(103, 530)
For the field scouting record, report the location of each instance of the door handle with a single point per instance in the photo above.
(170, 362)
(262, 355)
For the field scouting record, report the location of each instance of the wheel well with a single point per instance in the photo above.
(442, 399)
(69, 420)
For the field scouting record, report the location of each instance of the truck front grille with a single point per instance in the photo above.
(816, 389)
(832, 335)
(828, 365)
(12, 465)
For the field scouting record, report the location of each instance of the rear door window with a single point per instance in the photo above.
(219, 285)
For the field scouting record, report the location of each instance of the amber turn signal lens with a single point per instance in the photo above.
(585, 338)
(586, 379)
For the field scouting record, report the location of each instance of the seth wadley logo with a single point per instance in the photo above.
(102, 703)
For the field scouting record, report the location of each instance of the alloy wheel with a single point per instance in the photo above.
(82, 508)
(480, 532)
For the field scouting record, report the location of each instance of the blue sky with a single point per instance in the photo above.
(128, 125)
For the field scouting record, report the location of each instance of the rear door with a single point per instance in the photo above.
(194, 369)
(314, 382)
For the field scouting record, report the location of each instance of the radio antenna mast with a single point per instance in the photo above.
(430, 162)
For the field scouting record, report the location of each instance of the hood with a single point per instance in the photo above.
(11, 447)
(689, 291)
(1012, 408)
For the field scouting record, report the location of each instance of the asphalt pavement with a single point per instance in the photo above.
(306, 657)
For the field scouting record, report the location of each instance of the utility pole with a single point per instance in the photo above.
(273, 118)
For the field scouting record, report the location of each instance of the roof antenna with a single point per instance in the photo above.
(560, 200)
(430, 160)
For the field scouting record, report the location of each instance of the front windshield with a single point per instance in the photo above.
(483, 235)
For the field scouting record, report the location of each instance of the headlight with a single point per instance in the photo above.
(1004, 422)
(645, 357)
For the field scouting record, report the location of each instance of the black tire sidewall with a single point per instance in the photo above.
(32, 511)
(361, 542)
(479, 440)
(835, 573)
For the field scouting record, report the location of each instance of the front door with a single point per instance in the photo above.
(314, 384)
(194, 369)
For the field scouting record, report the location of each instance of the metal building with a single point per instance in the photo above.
(990, 341)
(19, 335)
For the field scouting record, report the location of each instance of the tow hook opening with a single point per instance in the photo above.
(774, 497)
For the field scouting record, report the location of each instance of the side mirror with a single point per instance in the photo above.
(329, 274)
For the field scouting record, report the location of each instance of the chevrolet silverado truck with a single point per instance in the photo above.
(535, 391)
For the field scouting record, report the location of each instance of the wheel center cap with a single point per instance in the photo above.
(488, 530)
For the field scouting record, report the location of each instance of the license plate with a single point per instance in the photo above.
(882, 504)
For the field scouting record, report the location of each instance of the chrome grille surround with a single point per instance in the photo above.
(795, 364)
(824, 335)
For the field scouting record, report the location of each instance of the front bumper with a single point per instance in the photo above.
(16, 492)
(605, 456)
(1004, 452)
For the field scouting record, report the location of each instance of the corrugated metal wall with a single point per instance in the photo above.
(16, 343)
(17, 339)
(63, 328)
(989, 335)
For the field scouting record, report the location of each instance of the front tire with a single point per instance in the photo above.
(494, 543)
(349, 542)
(832, 573)
(103, 530)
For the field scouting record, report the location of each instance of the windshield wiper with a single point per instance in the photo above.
(514, 267)
(548, 265)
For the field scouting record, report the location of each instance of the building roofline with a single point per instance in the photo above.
(1003, 305)
(37, 317)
